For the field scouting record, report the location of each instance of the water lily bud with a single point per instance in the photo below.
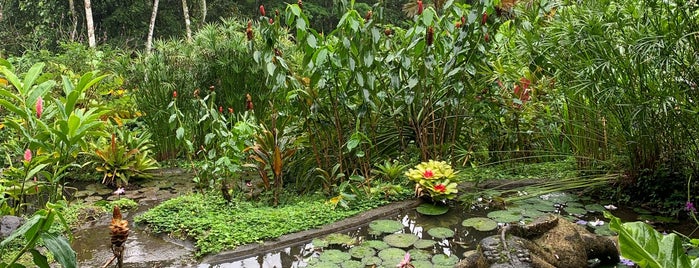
(262, 10)
(430, 36)
(419, 7)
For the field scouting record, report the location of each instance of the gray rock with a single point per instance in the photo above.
(9, 224)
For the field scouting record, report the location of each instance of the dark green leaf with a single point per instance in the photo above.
(61, 250)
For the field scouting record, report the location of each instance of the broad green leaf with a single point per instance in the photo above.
(179, 133)
(22, 229)
(38, 91)
(31, 76)
(9, 106)
(646, 247)
(61, 250)
(39, 260)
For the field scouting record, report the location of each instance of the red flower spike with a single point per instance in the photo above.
(262, 10)
(457, 24)
(196, 93)
(368, 15)
(248, 32)
(28, 155)
(486, 37)
(430, 36)
(220, 109)
(230, 110)
(463, 20)
(271, 21)
(484, 18)
(300, 3)
(419, 7)
(388, 32)
(525, 82)
(39, 107)
(248, 102)
(174, 94)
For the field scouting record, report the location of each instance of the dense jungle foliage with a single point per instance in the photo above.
(331, 96)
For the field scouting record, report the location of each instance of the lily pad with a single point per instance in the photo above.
(541, 207)
(400, 240)
(372, 261)
(532, 213)
(424, 243)
(386, 226)
(323, 264)
(604, 230)
(558, 197)
(340, 239)
(440, 232)
(420, 255)
(431, 209)
(352, 264)
(376, 244)
(442, 259)
(334, 256)
(480, 224)
(392, 255)
(360, 252)
(505, 216)
(319, 243)
(595, 207)
(576, 210)
(421, 264)
(574, 205)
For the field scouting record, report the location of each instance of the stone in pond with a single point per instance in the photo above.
(424, 243)
(376, 244)
(392, 256)
(400, 240)
(352, 264)
(386, 226)
(440, 232)
(334, 256)
(360, 252)
(431, 209)
(372, 261)
(340, 239)
(505, 216)
(480, 224)
(444, 260)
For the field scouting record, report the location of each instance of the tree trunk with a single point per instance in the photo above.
(90, 24)
(187, 23)
(74, 16)
(203, 14)
(151, 27)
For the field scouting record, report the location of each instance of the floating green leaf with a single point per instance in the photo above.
(360, 252)
(576, 210)
(419, 254)
(442, 259)
(400, 240)
(440, 232)
(319, 243)
(431, 209)
(386, 226)
(376, 244)
(424, 243)
(352, 264)
(505, 216)
(339, 239)
(594, 207)
(334, 256)
(480, 224)
(392, 255)
(421, 264)
(372, 261)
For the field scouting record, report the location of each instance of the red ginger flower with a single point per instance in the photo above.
(174, 94)
(262, 10)
(39, 107)
(28, 155)
(419, 7)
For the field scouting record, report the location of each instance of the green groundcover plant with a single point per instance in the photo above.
(217, 225)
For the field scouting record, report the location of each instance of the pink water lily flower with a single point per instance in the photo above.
(405, 263)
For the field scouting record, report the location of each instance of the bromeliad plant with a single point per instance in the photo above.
(435, 179)
(126, 155)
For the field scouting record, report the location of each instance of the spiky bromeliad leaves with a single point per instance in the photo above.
(435, 179)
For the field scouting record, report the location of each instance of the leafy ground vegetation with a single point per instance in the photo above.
(340, 99)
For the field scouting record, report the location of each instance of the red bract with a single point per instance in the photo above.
(220, 109)
(262, 10)
(428, 173)
(248, 102)
(368, 15)
(440, 188)
(463, 20)
(28, 155)
(174, 94)
(39, 107)
(484, 18)
(230, 110)
(249, 33)
(300, 3)
(486, 37)
(271, 21)
(419, 7)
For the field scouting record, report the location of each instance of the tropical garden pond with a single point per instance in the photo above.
(293, 116)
